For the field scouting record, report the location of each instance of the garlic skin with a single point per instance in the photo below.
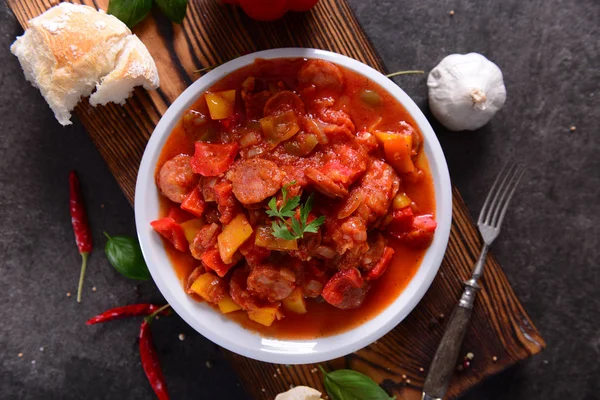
(300, 393)
(465, 91)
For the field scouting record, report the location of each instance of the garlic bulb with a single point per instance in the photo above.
(300, 393)
(465, 91)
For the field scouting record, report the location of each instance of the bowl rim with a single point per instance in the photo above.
(224, 331)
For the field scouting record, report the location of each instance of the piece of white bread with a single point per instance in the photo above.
(71, 49)
(300, 393)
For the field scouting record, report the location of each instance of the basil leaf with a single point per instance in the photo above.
(125, 255)
(130, 12)
(345, 384)
(173, 9)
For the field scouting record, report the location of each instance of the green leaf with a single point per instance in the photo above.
(345, 384)
(125, 255)
(297, 228)
(280, 230)
(305, 209)
(173, 9)
(288, 208)
(273, 212)
(314, 225)
(130, 12)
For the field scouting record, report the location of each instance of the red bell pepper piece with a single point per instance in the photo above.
(301, 5)
(422, 230)
(270, 10)
(382, 264)
(401, 223)
(171, 231)
(212, 159)
(179, 215)
(211, 259)
(194, 203)
(264, 10)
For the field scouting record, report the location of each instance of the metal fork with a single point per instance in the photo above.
(490, 219)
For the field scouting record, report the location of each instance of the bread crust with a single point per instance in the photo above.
(70, 50)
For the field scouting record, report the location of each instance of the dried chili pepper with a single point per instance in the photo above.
(81, 228)
(150, 358)
(133, 310)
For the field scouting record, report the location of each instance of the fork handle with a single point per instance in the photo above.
(446, 355)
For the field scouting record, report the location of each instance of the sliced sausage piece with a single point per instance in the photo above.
(324, 184)
(326, 78)
(283, 102)
(256, 179)
(346, 289)
(380, 184)
(238, 289)
(176, 178)
(271, 283)
(205, 239)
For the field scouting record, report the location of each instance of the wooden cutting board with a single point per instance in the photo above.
(501, 332)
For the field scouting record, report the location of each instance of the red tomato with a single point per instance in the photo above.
(171, 231)
(264, 10)
(301, 5)
(213, 159)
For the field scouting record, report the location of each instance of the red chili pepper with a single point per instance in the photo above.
(83, 234)
(150, 359)
(133, 310)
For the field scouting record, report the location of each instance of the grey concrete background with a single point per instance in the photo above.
(549, 53)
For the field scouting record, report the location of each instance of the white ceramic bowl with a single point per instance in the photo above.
(221, 329)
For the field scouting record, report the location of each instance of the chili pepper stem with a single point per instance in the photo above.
(84, 257)
(150, 317)
(416, 71)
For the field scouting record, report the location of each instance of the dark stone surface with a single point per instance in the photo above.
(549, 52)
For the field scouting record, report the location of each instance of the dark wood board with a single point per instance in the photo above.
(214, 33)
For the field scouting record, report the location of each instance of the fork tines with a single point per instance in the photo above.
(496, 203)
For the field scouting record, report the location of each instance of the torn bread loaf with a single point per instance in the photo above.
(70, 50)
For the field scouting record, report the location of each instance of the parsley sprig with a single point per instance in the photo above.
(280, 228)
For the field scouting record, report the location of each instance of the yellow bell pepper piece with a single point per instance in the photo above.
(227, 305)
(220, 104)
(385, 136)
(204, 284)
(264, 238)
(279, 127)
(264, 316)
(233, 236)
(398, 152)
(295, 302)
(191, 227)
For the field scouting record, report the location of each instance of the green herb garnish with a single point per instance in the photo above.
(280, 228)
(125, 255)
(132, 12)
(345, 384)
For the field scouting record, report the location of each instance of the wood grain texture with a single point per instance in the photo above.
(214, 33)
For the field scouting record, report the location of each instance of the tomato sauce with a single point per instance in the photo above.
(378, 111)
